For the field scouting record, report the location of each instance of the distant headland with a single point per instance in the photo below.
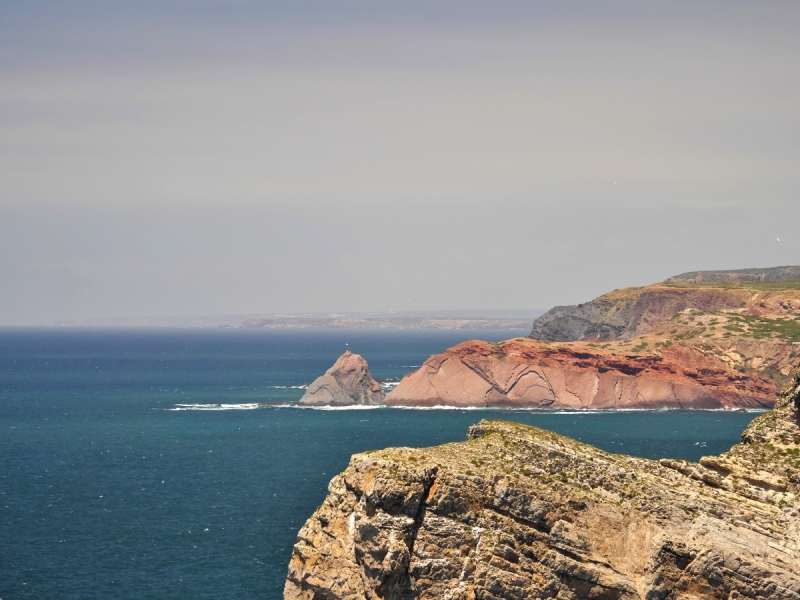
(432, 319)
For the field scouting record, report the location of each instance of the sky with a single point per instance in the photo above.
(182, 158)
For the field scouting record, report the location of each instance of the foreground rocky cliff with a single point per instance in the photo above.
(348, 382)
(518, 512)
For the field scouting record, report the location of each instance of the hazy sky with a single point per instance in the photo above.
(176, 157)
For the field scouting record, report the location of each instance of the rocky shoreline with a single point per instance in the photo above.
(348, 382)
(518, 512)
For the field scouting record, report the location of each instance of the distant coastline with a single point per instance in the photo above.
(385, 323)
(434, 319)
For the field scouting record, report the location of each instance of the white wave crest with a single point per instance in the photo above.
(247, 406)
(289, 387)
(350, 407)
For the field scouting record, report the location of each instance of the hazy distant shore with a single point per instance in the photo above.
(398, 323)
(444, 319)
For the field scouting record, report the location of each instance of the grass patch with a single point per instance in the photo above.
(767, 286)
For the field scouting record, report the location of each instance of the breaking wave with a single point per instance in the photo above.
(247, 406)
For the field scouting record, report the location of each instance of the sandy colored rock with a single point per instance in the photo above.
(347, 382)
(518, 512)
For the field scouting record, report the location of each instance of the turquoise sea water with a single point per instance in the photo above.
(106, 492)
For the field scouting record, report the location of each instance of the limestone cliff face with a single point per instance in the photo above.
(525, 373)
(347, 382)
(632, 311)
(517, 512)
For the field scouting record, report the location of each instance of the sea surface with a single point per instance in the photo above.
(108, 491)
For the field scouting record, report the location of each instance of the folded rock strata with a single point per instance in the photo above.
(347, 382)
(527, 373)
(518, 512)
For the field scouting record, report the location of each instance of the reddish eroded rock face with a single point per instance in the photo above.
(527, 373)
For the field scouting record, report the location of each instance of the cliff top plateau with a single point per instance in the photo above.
(629, 312)
(347, 382)
(519, 512)
(768, 274)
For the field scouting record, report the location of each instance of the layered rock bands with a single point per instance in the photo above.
(526, 373)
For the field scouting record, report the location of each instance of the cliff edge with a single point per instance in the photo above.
(519, 512)
(346, 383)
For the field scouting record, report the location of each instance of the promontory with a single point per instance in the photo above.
(707, 339)
(519, 512)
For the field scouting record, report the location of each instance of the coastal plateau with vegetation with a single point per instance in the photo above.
(708, 339)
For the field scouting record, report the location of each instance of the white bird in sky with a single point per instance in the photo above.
(779, 239)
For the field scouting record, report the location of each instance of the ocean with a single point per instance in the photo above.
(108, 491)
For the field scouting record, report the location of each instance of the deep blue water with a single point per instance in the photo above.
(106, 493)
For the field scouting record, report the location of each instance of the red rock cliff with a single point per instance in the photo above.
(527, 373)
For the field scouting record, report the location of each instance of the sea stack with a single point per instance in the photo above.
(348, 382)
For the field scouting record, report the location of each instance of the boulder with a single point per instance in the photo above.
(348, 382)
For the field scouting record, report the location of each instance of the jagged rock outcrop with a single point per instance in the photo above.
(346, 383)
(528, 374)
(631, 311)
(518, 512)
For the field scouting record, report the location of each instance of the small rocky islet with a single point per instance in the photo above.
(347, 383)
